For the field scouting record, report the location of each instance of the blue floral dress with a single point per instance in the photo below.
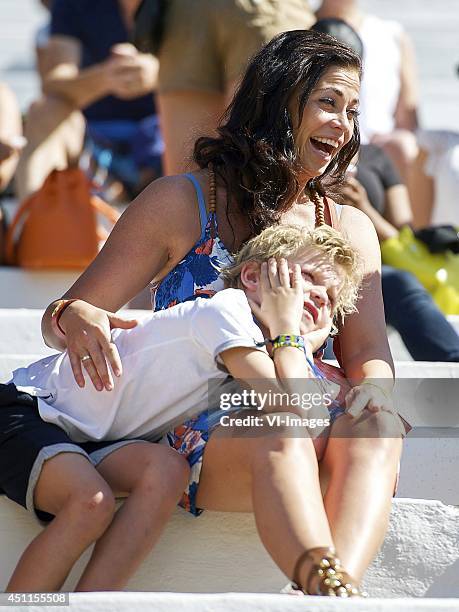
(197, 275)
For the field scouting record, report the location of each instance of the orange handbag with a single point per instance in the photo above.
(57, 226)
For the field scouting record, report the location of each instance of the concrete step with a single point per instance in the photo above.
(33, 288)
(20, 330)
(253, 602)
(220, 552)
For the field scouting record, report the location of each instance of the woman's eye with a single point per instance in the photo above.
(353, 113)
(306, 275)
(328, 101)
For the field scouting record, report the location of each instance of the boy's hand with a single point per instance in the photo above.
(281, 307)
(317, 338)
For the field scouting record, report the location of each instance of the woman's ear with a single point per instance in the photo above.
(250, 276)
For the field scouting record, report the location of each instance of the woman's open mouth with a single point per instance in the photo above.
(326, 147)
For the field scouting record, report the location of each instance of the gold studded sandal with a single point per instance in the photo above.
(330, 578)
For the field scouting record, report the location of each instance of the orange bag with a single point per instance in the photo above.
(59, 224)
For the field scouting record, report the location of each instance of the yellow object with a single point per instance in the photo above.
(437, 272)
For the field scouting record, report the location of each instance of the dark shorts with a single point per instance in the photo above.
(26, 442)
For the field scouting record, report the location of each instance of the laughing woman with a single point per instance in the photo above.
(291, 130)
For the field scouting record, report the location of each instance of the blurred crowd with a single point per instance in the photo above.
(126, 117)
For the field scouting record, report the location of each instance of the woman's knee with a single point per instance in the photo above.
(375, 438)
(282, 442)
(401, 146)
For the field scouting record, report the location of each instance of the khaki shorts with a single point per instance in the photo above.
(208, 43)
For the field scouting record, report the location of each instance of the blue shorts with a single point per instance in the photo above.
(26, 442)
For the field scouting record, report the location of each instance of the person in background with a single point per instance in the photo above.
(389, 95)
(436, 179)
(207, 45)
(11, 144)
(378, 191)
(93, 79)
(11, 139)
(373, 185)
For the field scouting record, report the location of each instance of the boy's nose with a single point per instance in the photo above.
(319, 295)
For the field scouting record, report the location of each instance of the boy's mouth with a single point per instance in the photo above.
(312, 310)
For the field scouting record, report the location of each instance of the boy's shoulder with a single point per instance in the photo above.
(230, 301)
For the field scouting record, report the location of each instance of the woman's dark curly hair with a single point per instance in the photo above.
(254, 152)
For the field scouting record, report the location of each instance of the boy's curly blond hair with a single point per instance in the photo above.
(290, 240)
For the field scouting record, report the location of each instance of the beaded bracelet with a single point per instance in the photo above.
(288, 340)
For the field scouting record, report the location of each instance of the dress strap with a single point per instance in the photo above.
(201, 202)
(332, 213)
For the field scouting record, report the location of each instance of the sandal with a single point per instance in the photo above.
(332, 580)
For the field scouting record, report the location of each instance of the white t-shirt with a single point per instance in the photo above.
(168, 360)
(380, 87)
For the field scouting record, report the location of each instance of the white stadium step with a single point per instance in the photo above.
(253, 602)
(221, 552)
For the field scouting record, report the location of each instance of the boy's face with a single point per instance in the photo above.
(322, 283)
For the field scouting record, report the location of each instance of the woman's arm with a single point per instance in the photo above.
(406, 111)
(363, 338)
(397, 208)
(150, 238)
(354, 194)
(126, 73)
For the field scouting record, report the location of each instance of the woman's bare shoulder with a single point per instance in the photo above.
(168, 205)
(360, 231)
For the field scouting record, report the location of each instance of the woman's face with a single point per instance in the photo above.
(327, 123)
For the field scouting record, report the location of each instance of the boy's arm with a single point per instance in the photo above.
(280, 311)
(265, 375)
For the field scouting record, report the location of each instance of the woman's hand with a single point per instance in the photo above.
(369, 396)
(354, 194)
(87, 333)
(281, 301)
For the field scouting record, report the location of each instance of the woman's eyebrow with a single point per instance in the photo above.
(338, 92)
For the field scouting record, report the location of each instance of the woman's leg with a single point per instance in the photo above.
(154, 477)
(359, 470)
(423, 327)
(275, 475)
(83, 504)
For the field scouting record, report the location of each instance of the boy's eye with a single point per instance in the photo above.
(353, 113)
(306, 275)
(331, 301)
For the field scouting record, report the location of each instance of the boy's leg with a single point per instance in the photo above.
(70, 488)
(154, 477)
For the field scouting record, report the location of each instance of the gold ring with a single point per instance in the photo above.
(85, 358)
